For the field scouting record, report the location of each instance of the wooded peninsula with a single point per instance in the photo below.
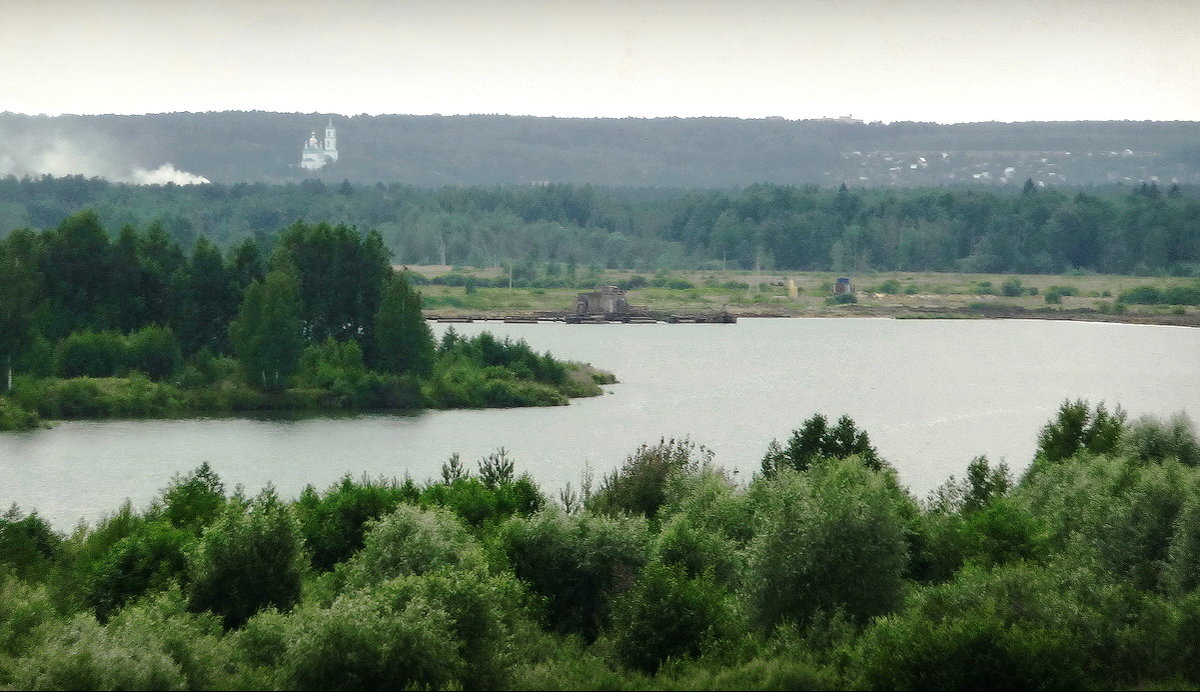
(93, 327)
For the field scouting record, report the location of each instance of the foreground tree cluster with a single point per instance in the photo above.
(95, 326)
(821, 572)
(1143, 229)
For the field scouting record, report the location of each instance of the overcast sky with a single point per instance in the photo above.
(929, 60)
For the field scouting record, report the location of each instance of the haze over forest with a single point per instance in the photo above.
(433, 150)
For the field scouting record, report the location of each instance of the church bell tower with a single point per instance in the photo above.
(331, 141)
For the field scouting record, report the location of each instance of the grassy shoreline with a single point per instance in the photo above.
(906, 295)
(42, 402)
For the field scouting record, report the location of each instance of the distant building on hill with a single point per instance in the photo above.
(317, 154)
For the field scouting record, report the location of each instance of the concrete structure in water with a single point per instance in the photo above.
(608, 300)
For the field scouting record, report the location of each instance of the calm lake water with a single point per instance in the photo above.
(931, 393)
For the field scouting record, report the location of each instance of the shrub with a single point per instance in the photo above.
(250, 558)
(91, 354)
(890, 287)
(1150, 440)
(1012, 288)
(478, 502)
(153, 557)
(192, 501)
(81, 655)
(485, 611)
(639, 486)
(1018, 627)
(15, 417)
(1182, 295)
(411, 540)
(366, 642)
(697, 551)
(28, 546)
(833, 538)
(1183, 568)
(1142, 295)
(706, 524)
(841, 299)
(151, 645)
(155, 351)
(815, 440)
(333, 524)
(1079, 428)
(667, 614)
(25, 609)
(577, 563)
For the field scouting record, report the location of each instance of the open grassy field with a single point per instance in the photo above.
(900, 294)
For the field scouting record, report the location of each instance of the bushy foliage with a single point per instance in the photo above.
(366, 642)
(155, 645)
(155, 351)
(333, 523)
(153, 557)
(251, 557)
(477, 503)
(640, 485)
(91, 354)
(832, 538)
(192, 501)
(1077, 428)
(815, 440)
(82, 655)
(1080, 575)
(412, 540)
(667, 614)
(1151, 440)
(1018, 627)
(28, 546)
(13, 416)
(577, 563)
(1173, 295)
(705, 526)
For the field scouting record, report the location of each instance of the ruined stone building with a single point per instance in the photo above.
(608, 300)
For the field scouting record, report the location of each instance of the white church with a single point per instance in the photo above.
(317, 154)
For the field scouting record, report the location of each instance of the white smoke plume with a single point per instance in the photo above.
(166, 173)
(62, 157)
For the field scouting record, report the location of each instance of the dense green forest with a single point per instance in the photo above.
(1143, 229)
(134, 326)
(821, 572)
(433, 150)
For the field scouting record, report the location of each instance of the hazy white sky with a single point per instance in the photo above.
(935, 60)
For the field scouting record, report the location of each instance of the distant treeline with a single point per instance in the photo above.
(820, 572)
(1144, 229)
(433, 150)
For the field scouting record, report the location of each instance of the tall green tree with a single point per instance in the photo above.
(207, 300)
(403, 340)
(340, 274)
(267, 334)
(251, 557)
(20, 291)
(77, 264)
